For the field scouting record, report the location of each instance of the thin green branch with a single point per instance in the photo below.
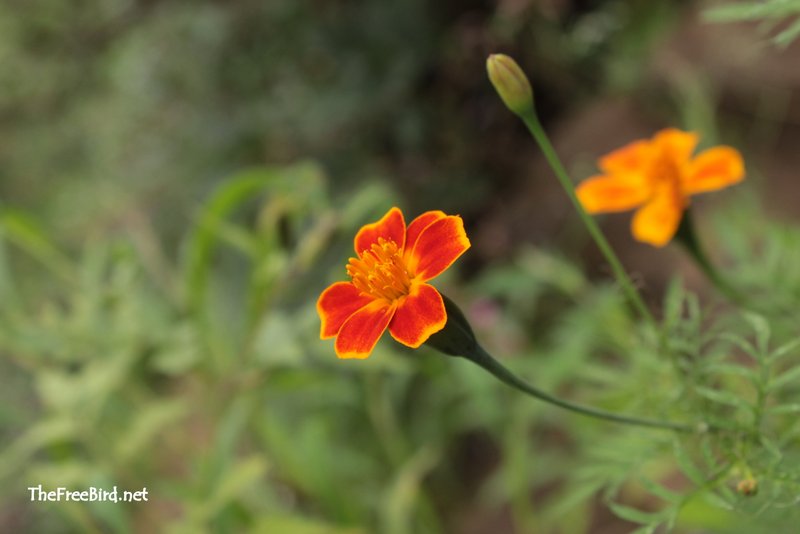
(535, 128)
(487, 362)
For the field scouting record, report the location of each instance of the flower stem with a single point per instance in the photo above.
(687, 237)
(458, 339)
(482, 358)
(531, 120)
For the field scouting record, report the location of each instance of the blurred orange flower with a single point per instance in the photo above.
(658, 176)
(387, 287)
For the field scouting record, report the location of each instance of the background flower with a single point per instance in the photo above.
(658, 176)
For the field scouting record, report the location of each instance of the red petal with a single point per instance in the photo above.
(421, 314)
(336, 304)
(362, 330)
(437, 247)
(392, 227)
(416, 227)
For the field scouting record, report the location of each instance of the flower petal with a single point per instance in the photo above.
(336, 304)
(632, 158)
(416, 227)
(437, 247)
(392, 227)
(678, 144)
(421, 314)
(362, 330)
(612, 193)
(714, 169)
(657, 221)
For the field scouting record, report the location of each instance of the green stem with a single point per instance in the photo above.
(458, 339)
(687, 237)
(482, 358)
(535, 128)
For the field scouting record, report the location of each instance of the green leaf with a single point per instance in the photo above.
(673, 303)
(730, 369)
(635, 516)
(646, 529)
(242, 475)
(291, 524)
(660, 491)
(39, 435)
(740, 342)
(784, 350)
(751, 11)
(724, 397)
(785, 408)
(688, 467)
(297, 185)
(21, 230)
(762, 330)
(787, 36)
(145, 426)
(792, 376)
(771, 447)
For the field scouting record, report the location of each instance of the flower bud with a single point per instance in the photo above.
(511, 83)
(747, 487)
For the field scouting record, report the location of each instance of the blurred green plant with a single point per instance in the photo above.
(219, 398)
(139, 353)
(780, 18)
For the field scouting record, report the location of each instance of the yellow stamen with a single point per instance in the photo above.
(380, 271)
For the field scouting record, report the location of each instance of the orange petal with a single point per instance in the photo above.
(416, 227)
(392, 227)
(632, 158)
(336, 304)
(438, 246)
(612, 193)
(362, 330)
(421, 314)
(714, 169)
(657, 221)
(678, 144)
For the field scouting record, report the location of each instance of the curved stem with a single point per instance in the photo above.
(538, 133)
(687, 237)
(482, 358)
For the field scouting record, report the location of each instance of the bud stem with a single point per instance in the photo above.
(535, 128)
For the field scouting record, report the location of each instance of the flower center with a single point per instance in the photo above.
(665, 170)
(380, 271)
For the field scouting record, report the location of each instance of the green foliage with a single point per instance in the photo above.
(779, 17)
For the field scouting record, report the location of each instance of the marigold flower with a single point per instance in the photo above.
(658, 176)
(388, 286)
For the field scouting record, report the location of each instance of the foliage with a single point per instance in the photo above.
(235, 416)
(157, 318)
(779, 17)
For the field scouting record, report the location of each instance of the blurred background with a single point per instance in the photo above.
(179, 181)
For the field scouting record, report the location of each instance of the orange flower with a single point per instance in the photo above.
(658, 176)
(387, 287)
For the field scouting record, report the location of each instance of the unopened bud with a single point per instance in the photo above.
(510, 82)
(747, 487)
